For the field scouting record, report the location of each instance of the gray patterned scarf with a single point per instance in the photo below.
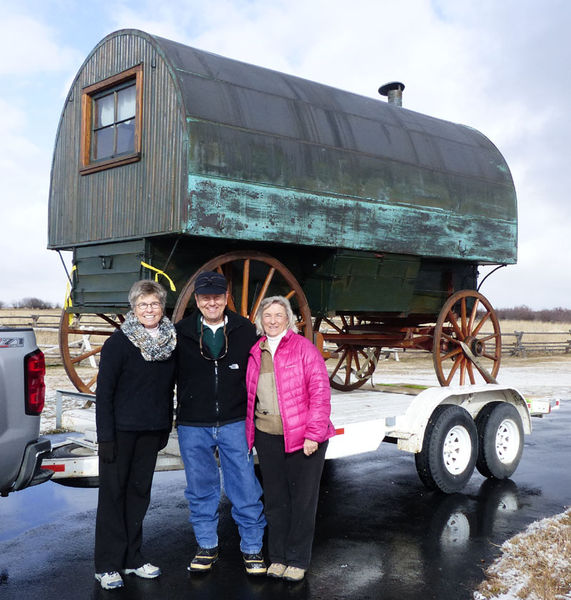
(152, 348)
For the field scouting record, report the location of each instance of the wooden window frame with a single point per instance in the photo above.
(87, 96)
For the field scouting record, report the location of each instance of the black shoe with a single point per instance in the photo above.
(254, 564)
(203, 560)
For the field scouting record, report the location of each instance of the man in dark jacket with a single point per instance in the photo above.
(213, 348)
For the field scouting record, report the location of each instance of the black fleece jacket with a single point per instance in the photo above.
(133, 394)
(212, 392)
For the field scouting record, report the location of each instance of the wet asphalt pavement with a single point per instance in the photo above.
(380, 533)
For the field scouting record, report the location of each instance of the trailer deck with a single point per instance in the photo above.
(363, 419)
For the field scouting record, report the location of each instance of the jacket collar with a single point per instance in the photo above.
(284, 340)
(188, 326)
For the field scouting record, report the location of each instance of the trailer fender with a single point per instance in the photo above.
(410, 428)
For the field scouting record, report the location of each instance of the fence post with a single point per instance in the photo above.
(58, 409)
(519, 349)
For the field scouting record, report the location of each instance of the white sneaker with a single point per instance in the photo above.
(109, 581)
(147, 571)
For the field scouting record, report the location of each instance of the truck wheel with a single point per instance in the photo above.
(449, 449)
(500, 440)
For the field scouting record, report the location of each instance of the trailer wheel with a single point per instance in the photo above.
(252, 276)
(449, 450)
(500, 440)
(458, 342)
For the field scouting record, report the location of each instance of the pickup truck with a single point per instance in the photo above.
(22, 395)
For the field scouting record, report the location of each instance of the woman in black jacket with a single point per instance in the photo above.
(134, 411)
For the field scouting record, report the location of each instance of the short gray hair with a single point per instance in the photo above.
(146, 287)
(282, 301)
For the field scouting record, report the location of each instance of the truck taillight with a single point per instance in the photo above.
(35, 370)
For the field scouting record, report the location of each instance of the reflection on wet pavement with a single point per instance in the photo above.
(380, 533)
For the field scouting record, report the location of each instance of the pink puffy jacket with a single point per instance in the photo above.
(304, 395)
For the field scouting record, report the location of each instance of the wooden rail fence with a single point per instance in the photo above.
(36, 321)
(516, 343)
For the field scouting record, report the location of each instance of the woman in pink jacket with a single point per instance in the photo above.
(289, 404)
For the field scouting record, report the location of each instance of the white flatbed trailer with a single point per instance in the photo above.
(450, 430)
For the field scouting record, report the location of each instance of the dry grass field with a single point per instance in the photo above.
(536, 334)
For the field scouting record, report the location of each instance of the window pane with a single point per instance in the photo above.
(104, 111)
(126, 137)
(126, 103)
(103, 143)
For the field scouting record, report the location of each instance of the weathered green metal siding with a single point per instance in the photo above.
(232, 151)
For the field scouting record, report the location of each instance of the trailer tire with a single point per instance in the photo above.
(500, 440)
(449, 449)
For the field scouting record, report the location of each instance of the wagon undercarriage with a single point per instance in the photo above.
(464, 338)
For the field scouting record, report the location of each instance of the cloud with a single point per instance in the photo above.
(500, 67)
(28, 46)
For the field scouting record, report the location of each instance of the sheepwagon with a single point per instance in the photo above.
(373, 219)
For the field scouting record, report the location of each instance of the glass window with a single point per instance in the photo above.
(111, 121)
(114, 123)
(126, 103)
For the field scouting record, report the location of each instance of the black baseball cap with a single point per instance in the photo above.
(210, 282)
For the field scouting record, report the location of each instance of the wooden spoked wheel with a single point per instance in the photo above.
(252, 276)
(350, 365)
(81, 337)
(462, 353)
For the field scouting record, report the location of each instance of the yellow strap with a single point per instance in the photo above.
(159, 272)
(67, 302)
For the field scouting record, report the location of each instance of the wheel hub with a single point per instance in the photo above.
(476, 346)
(507, 441)
(457, 450)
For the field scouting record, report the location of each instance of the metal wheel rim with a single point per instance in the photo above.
(507, 441)
(456, 532)
(457, 450)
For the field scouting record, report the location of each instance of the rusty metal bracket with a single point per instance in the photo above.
(477, 363)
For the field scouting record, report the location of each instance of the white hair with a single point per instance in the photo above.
(282, 301)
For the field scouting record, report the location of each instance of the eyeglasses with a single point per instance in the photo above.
(145, 305)
(225, 344)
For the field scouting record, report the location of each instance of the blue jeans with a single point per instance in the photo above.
(197, 446)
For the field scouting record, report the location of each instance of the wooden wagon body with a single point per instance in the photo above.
(167, 157)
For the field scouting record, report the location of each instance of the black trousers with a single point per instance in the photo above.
(124, 496)
(291, 491)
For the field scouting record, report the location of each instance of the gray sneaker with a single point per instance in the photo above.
(294, 574)
(109, 581)
(147, 571)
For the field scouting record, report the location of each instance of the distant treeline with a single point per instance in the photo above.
(34, 303)
(518, 313)
(524, 313)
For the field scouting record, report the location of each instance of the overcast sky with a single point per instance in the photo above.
(501, 66)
